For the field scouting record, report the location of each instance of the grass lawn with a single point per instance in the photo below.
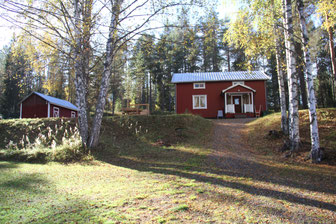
(145, 173)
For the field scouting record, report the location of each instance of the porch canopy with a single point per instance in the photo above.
(238, 98)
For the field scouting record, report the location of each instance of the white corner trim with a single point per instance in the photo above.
(20, 110)
(48, 109)
(175, 98)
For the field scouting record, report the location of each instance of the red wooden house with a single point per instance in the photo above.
(37, 105)
(233, 94)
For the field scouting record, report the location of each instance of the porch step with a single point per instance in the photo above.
(240, 116)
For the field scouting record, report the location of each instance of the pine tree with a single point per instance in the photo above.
(16, 69)
(212, 43)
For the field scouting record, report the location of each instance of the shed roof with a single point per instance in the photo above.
(219, 76)
(55, 101)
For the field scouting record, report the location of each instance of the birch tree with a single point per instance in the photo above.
(110, 52)
(294, 134)
(258, 33)
(80, 56)
(314, 134)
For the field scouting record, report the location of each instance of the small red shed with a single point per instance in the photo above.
(209, 94)
(37, 105)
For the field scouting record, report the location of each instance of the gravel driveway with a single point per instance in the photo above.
(230, 151)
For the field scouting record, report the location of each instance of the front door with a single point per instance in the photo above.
(237, 103)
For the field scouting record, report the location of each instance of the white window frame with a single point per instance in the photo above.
(238, 82)
(199, 85)
(199, 96)
(73, 114)
(56, 111)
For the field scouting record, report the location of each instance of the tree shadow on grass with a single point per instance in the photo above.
(21, 187)
(284, 176)
(70, 210)
(27, 183)
(174, 166)
(7, 165)
(263, 207)
(31, 198)
(133, 153)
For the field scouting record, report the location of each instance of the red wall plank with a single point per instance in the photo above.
(34, 106)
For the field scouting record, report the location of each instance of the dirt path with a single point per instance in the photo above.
(231, 152)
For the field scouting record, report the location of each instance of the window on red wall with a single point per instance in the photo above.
(199, 85)
(238, 83)
(73, 114)
(199, 101)
(56, 112)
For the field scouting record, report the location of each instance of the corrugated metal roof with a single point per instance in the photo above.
(219, 76)
(58, 102)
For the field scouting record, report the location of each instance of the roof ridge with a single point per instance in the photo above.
(219, 76)
(219, 72)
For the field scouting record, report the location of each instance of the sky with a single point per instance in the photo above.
(6, 34)
(225, 9)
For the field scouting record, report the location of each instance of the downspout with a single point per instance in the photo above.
(48, 109)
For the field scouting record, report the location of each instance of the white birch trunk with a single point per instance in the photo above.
(110, 47)
(80, 80)
(314, 134)
(287, 51)
(294, 134)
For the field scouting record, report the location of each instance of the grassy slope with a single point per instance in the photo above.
(137, 179)
(159, 139)
(39, 140)
(258, 130)
(16, 129)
